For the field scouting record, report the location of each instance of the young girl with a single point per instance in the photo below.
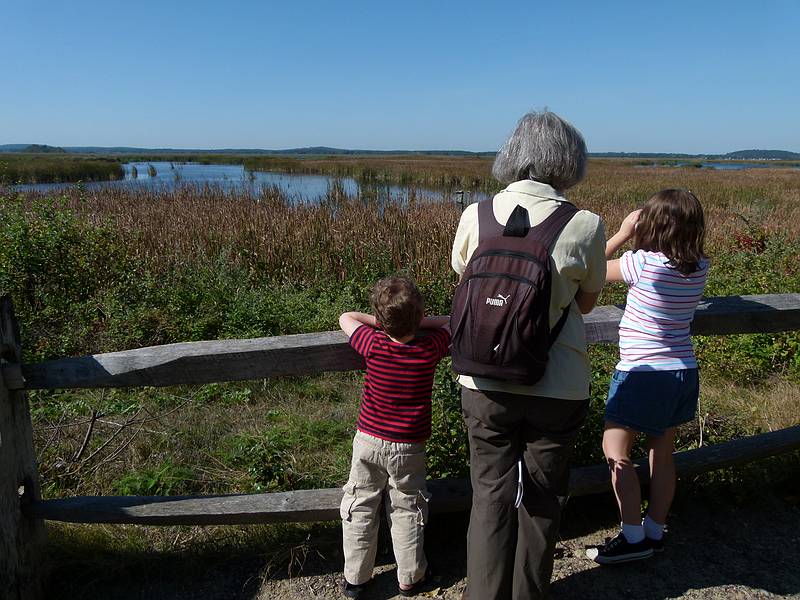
(655, 386)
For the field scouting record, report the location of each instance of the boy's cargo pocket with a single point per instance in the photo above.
(348, 500)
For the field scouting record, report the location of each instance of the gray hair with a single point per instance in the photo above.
(544, 148)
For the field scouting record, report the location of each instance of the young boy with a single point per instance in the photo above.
(394, 421)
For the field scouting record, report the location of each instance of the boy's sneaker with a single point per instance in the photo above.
(417, 587)
(620, 550)
(351, 590)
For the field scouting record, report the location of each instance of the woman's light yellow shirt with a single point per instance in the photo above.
(578, 262)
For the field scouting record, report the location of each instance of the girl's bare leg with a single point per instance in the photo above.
(662, 475)
(617, 444)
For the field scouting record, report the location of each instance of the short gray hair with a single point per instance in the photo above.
(545, 148)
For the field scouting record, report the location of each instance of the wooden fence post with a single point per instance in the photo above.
(21, 535)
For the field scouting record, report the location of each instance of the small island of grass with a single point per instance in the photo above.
(56, 166)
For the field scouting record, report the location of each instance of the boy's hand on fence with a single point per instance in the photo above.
(350, 321)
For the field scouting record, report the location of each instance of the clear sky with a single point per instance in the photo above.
(678, 76)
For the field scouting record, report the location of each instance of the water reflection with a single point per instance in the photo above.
(296, 188)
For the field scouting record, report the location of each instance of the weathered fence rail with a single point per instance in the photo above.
(310, 353)
(22, 510)
(448, 495)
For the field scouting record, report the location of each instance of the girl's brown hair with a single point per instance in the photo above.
(398, 306)
(672, 223)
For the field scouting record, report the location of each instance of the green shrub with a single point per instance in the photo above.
(447, 449)
(166, 479)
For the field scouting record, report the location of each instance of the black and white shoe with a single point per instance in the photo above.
(619, 550)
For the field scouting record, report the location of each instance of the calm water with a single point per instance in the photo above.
(301, 188)
(721, 166)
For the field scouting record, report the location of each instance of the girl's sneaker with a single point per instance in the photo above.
(620, 550)
(656, 545)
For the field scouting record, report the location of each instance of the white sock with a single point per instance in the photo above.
(653, 530)
(633, 533)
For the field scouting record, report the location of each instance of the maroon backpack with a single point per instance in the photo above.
(500, 319)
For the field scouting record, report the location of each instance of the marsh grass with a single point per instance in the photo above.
(57, 168)
(105, 270)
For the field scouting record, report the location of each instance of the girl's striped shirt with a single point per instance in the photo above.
(396, 403)
(654, 331)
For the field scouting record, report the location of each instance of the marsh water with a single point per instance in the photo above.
(295, 187)
(231, 178)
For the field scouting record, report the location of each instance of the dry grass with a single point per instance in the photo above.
(767, 198)
(768, 407)
(215, 439)
(303, 242)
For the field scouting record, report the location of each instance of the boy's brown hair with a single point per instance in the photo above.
(672, 223)
(397, 305)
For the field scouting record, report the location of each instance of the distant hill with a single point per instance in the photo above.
(328, 151)
(762, 155)
(312, 150)
(43, 149)
(738, 155)
(37, 148)
(647, 155)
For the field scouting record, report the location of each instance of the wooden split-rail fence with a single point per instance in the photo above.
(22, 510)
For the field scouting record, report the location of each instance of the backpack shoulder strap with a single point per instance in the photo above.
(548, 230)
(488, 227)
(560, 325)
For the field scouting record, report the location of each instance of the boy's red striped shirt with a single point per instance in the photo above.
(396, 404)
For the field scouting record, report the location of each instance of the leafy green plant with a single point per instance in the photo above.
(163, 480)
(447, 450)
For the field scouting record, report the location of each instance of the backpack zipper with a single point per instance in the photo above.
(514, 253)
(501, 275)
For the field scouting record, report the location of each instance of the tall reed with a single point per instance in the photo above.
(47, 168)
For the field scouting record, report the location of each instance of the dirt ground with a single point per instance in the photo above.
(718, 547)
(750, 551)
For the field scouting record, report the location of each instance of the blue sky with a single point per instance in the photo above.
(699, 76)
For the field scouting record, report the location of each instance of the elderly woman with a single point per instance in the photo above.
(528, 431)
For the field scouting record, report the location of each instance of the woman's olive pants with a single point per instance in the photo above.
(509, 548)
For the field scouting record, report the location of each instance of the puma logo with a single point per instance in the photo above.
(499, 301)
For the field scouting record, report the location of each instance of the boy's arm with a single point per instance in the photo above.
(350, 321)
(435, 322)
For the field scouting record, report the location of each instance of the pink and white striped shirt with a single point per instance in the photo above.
(654, 331)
